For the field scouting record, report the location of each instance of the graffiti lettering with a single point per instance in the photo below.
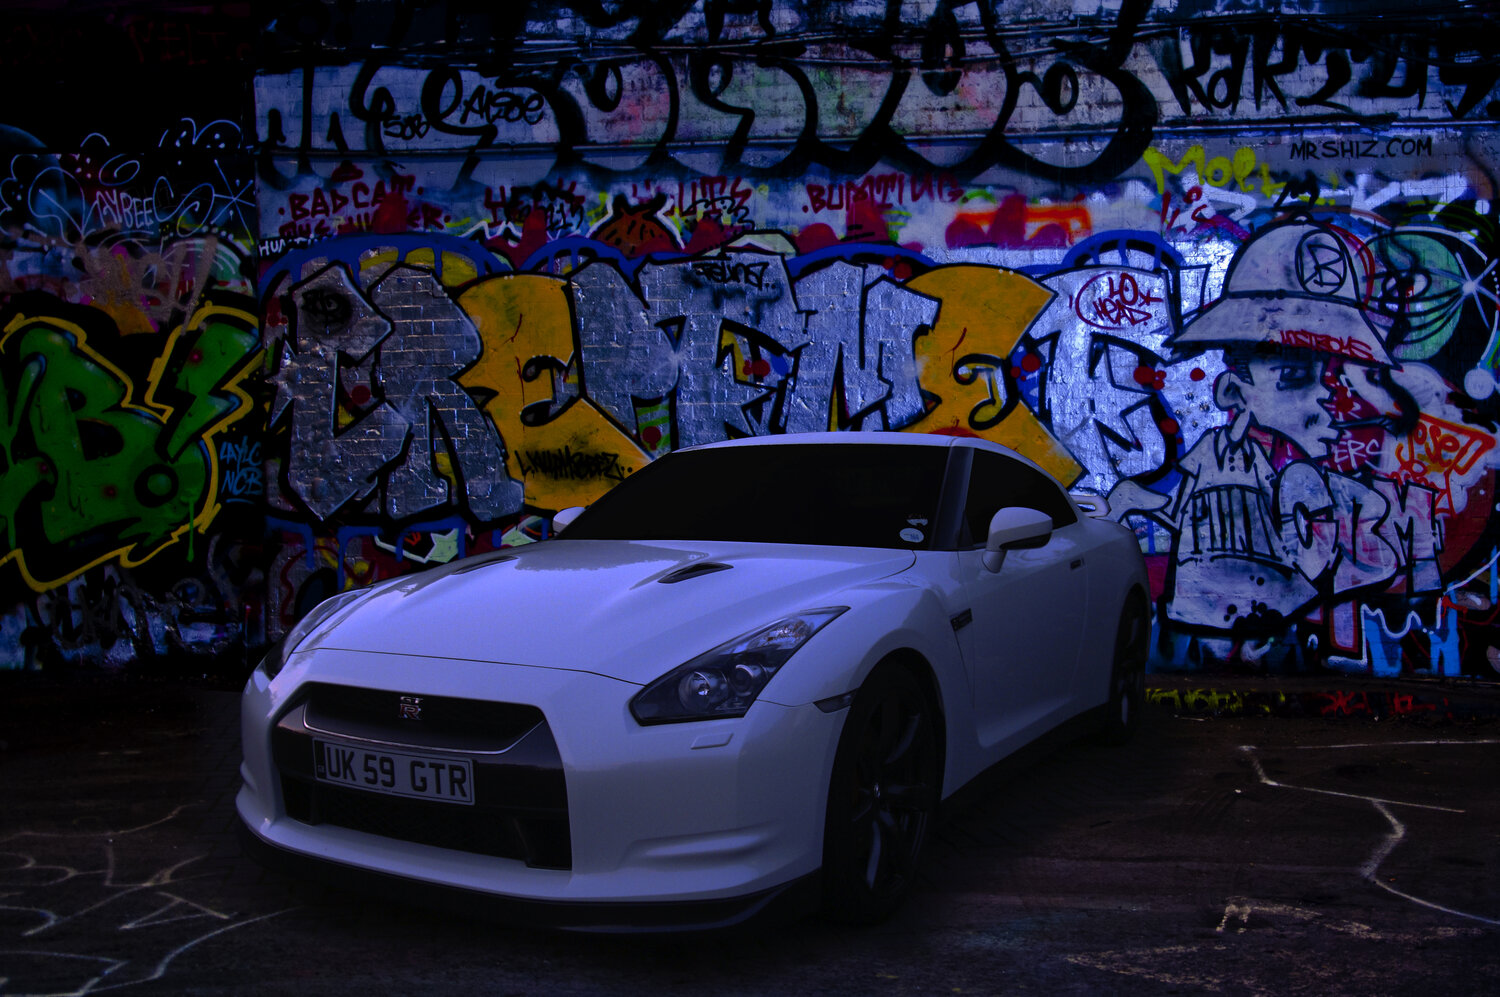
(1115, 301)
(1216, 171)
(242, 477)
(1298, 703)
(1441, 454)
(502, 105)
(886, 189)
(572, 465)
(1362, 149)
(1327, 344)
(97, 469)
(720, 272)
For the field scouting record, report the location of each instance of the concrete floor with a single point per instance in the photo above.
(1256, 854)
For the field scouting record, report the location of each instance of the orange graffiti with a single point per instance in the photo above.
(987, 310)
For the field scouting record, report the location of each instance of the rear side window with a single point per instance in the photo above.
(998, 482)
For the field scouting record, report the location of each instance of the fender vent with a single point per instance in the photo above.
(693, 571)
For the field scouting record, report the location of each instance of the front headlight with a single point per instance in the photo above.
(725, 681)
(276, 654)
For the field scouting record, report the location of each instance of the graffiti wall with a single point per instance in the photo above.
(129, 331)
(130, 489)
(1235, 274)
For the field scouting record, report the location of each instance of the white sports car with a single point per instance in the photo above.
(741, 680)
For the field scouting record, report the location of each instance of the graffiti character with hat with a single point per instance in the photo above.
(1261, 527)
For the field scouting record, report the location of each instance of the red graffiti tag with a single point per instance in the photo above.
(1438, 452)
(1327, 344)
(1115, 301)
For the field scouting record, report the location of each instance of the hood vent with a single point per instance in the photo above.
(485, 563)
(693, 571)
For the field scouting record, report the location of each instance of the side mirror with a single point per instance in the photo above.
(563, 517)
(1015, 528)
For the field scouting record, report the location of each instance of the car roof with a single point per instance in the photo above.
(881, 437)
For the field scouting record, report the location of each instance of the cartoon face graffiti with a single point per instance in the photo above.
(1292, 328)
(1283, 392)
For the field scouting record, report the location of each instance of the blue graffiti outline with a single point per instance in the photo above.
(849, 251)
(347, 249)
(1090, 252)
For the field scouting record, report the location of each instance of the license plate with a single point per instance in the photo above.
(422, 777)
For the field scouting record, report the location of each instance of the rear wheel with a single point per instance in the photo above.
(884, 790)
(1127, 681)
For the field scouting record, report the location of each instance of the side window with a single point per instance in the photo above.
(997, 482)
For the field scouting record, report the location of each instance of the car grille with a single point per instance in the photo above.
(522, 805)
(446, 722)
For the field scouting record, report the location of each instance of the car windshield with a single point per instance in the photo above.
(842, 494)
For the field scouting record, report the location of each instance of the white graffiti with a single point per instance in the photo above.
(1369, 870)
(82, 917)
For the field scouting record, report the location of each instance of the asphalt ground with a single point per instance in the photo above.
(1257, 837)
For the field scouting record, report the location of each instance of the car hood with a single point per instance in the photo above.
(630, 610)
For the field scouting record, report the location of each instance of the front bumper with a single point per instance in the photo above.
(782, 903)
(698, 822)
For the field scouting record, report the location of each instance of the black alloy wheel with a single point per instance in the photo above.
(884, 790)
(1127, 680)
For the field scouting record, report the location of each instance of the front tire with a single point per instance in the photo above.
(1127, 680)
(882, 795)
